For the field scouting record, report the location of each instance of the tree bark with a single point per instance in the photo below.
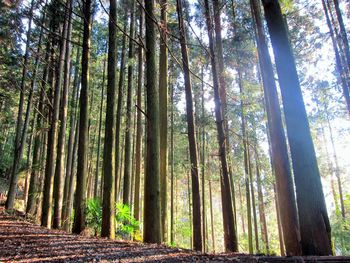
(313, 218)
(229, 225)
(152, 220)
(80, 196)
(138, 153)
(128, 146)
(196, 203)
(163, 116)
(279, 151)
(109, 165)
(59, 172)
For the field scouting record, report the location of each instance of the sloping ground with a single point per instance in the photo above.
(21, 241)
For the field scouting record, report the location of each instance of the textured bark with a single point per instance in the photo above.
(138, 151)
(97, 173)
(108, 210)
(128, 120)
(118, 148)
(83, 147)
(172, 215)
(52, 140)
(59, 171)
(228, 221)
(152, 220)
(18, 143)
(279, 151)
(315, 229)
(163, 116)
(196, 203)
(280, 231)
(71, 144)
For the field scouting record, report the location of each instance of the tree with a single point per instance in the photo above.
(279, 150)
(80, 196)
(313, 218)
(197, 235)
(152, 220)
(163, 115)
(227, 212)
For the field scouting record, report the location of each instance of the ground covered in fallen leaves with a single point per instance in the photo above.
(22, 241)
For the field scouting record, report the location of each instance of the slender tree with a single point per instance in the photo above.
(163, 115)
(127, 145)
(152, 220)
(80, 195)
(108, 213)
(196, 204)
(227, 212)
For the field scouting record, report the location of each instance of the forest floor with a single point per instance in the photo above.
(23, 241)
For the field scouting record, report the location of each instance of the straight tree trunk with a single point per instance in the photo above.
(118, 149)
(59, 171)
(229, 225)
(96, 189)
(152, 218)
(315, 228)
(18, 144)
(163, 116)
(196, 203)
(339, 65)
(71, 144)
(108, 210)
(128, 128)
(279, 151)
(138, 150)
(80, 196)
(52, 140)
(172, 219)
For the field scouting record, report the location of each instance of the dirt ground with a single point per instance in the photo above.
(22, 241)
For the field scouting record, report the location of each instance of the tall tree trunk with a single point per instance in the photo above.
(152, 220)
(279, 151)
(315, 229)
(163, 116)
(38, 137)
(109, 165)
(337, 168)
(18, 144)
(196, 203)
(118, 149)
(71, 143)
(339, 65)
(189, 208)
(138, 153)
(343, 33)
(172, 216)
(96, 189)
(80, 196)
(52, 140)
(128, 146)
(229, 225)
(59, 171)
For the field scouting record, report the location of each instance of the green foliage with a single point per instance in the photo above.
(126, 224)
(341, 229)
